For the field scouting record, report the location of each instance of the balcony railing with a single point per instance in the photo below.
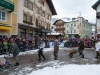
(59, 24)
(27, 22)
(7, 5)
(59, 29)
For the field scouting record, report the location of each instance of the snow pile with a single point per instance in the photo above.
(69, 70)
(51, 64)
(31, 52)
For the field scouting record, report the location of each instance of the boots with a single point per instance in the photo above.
(97, 54)
(17, 63)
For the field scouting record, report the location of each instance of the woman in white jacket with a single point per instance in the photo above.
(97, 49)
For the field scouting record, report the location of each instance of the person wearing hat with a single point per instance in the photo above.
(97, 49)
(40, 51)
(56, 49)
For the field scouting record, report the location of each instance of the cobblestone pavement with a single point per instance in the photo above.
(30, 60)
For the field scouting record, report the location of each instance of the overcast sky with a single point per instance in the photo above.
(71, 8)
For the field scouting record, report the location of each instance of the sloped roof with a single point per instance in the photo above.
(51, 6)
(96, 4)
(57, 21)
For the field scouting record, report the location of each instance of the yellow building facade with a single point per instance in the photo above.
(25, 17)
(8, 17)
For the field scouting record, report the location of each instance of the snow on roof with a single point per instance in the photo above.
(53, 33)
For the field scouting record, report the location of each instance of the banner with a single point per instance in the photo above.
(61, 44)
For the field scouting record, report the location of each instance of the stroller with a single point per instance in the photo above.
(4, 62)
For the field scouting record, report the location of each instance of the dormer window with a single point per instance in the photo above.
(98, 15)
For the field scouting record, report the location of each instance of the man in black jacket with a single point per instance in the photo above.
(81, 48)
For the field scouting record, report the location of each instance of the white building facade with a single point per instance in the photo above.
(34, 17)
(78, 28)
(96, 6)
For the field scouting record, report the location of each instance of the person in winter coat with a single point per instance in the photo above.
(81, 48)
(40, 51)
(97, 49)
(15, 51)
(56, 49)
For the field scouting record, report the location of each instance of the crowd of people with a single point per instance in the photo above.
(17, 45)
(74, 42)
(28, 43)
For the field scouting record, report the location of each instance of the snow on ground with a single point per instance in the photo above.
(59, 68)
(35, 51)
(31, 52)
(69, 70)
(22, 71)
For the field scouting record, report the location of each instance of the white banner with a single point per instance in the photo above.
(61, 44)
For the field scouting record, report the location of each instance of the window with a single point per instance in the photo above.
(71, 31)
(84, 25)
(26, 3)
(30, 6)
(41, 2)
(71, 25)
(25, 17)
(42, 23)
(47, 16)
(37, 10)
(30, 19)
(43, 13)
(67, 31)
(2, 15)
(37, 22)
(74, 31)
(67, 25)
(74, 25)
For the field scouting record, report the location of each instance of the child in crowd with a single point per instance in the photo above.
(21, 46)
(1, 65)
(5, 46)
(1, 47)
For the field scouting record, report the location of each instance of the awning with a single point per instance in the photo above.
(4, 28)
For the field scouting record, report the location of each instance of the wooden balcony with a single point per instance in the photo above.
(59, 24)
(59, 29)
